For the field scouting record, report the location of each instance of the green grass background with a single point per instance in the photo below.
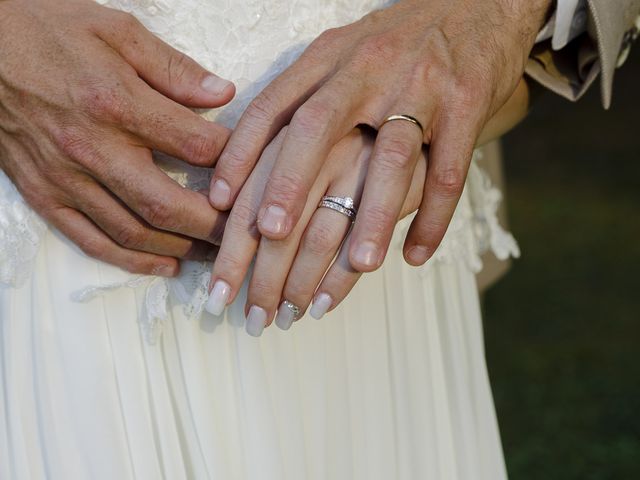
(563, 327)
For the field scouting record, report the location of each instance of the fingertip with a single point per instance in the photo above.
(322, 303)
(365, 256)
(417, 255)
(274, 222)
(217, 89)
(220, 194)
(218, 297)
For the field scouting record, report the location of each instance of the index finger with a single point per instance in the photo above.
(265, 116)
(169, 127)
(133, 177)
(314, 130)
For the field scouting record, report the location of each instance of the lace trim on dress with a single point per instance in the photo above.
(21, 231)
(473, 231)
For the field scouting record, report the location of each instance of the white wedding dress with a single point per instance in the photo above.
(105, 376)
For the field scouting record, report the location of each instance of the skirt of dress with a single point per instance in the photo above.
(392, 385)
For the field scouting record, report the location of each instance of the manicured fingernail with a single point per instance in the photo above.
(367, 254)
(215, 85)
(418, 255)
(285, 317)
(220, 193)
(256, 321)
(163, 271)
(218, 297)
(321, 305)
(273, 220)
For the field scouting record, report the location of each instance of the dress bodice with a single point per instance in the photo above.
(246, 41)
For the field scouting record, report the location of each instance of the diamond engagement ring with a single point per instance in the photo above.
(343, 205)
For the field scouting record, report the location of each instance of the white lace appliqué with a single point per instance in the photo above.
(190, 290)
(21, 230)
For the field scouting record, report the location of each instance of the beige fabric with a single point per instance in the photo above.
(570, 71)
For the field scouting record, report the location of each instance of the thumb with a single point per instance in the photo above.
(164, 68)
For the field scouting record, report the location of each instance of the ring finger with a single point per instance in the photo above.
(320, 243)
(276, 257)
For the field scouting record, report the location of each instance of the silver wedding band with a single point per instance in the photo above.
(293, 308)
(343, 205)
(404, 118)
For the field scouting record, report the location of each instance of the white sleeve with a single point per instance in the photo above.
(567, 22)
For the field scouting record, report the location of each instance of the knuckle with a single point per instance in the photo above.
(377, 48)
(263, 290)
(92, 247)
(234, 161)
(201, 149)
(287, 187)
(105, 102)
(433, 74)
(125, 20)
(158, 213)
(324, 44)
(132, 236)
(450, 181)
(313, 120)
(263, 108)
(298, 293)
(178, 67)
(379, 219)
(73, 143)
(396, 154)
(320, 241)
(229, 267)
(243, 216)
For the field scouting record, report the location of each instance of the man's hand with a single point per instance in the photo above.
(303, 265)
(86, 93)
(451, 64)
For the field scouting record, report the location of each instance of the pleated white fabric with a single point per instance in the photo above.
(392, 385)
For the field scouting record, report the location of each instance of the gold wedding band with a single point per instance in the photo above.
(405, 118)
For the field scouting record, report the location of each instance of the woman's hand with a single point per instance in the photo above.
(451, 64)
(86, 93)
(293, 268)
(300, 267)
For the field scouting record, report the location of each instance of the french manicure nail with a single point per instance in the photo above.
(321, 305)
(285, 317)
(367, 254)
(274, 219)
(418, 254)
(218, 298)
(220, 193)
(256, 321)
(214, 84)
